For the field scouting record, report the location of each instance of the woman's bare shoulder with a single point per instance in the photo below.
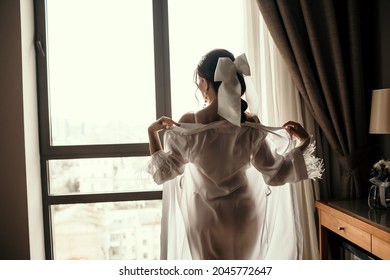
(187, 118)
(252, 118)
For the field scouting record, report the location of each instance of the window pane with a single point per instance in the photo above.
(100, 175)
(100, 71)
(191, 37)
(107, 231)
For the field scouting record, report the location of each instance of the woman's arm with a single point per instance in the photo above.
(168, 163)
(296, 165)
(154, 142)
(162, 123)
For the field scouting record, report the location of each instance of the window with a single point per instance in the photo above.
(196, 27)
(106, 70)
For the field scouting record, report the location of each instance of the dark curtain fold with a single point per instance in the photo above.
(322, 45)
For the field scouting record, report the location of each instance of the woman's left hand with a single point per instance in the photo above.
(296, 130)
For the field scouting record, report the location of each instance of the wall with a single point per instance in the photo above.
(20, 184)
(382, 65)
(14, 237)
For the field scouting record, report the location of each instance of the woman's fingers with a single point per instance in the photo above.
(296, 129)
(162, 123)
(167, 122)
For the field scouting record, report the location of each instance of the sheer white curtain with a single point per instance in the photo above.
(291, 231)
(291, 206)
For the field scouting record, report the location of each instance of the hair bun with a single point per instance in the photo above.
(244, 107)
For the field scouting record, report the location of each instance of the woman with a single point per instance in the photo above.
(215, 160)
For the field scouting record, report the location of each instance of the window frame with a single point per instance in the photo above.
(49, 152)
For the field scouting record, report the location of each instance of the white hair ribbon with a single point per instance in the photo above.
(229, 92)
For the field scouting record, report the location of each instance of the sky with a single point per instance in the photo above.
(101, 57)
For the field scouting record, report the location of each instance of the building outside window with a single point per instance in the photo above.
(106, 70)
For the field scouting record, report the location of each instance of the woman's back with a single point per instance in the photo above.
(213, 162)
(222, 143)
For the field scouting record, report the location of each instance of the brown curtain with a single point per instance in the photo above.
(321, 43)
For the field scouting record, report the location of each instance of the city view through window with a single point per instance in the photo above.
(112, 230)
(101, 91)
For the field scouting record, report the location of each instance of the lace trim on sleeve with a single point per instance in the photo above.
(314, 165)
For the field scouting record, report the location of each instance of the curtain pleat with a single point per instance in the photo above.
(321, 44)
(277, 102)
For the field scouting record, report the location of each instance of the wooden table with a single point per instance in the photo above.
(355, 221)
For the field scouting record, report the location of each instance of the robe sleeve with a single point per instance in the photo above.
(290, 166)
(166, 164)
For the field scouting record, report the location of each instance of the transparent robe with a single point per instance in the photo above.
(218, 179)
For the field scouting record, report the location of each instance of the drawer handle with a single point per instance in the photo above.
(340, 228)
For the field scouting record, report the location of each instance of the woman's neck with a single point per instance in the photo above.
(209, 114)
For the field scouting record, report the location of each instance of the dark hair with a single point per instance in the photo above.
(206, 69)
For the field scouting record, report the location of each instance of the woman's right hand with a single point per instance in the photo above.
(162, 123)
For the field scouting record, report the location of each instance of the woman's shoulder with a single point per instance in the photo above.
(252, 118)
(203, 116)
(188, 118)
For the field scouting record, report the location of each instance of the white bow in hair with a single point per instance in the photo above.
(229, 92)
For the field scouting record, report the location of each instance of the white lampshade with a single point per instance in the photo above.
(380, 111)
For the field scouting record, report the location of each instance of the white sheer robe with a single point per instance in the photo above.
(217, 180)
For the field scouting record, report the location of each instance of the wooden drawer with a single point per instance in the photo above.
(380, 248)
(347, 231)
